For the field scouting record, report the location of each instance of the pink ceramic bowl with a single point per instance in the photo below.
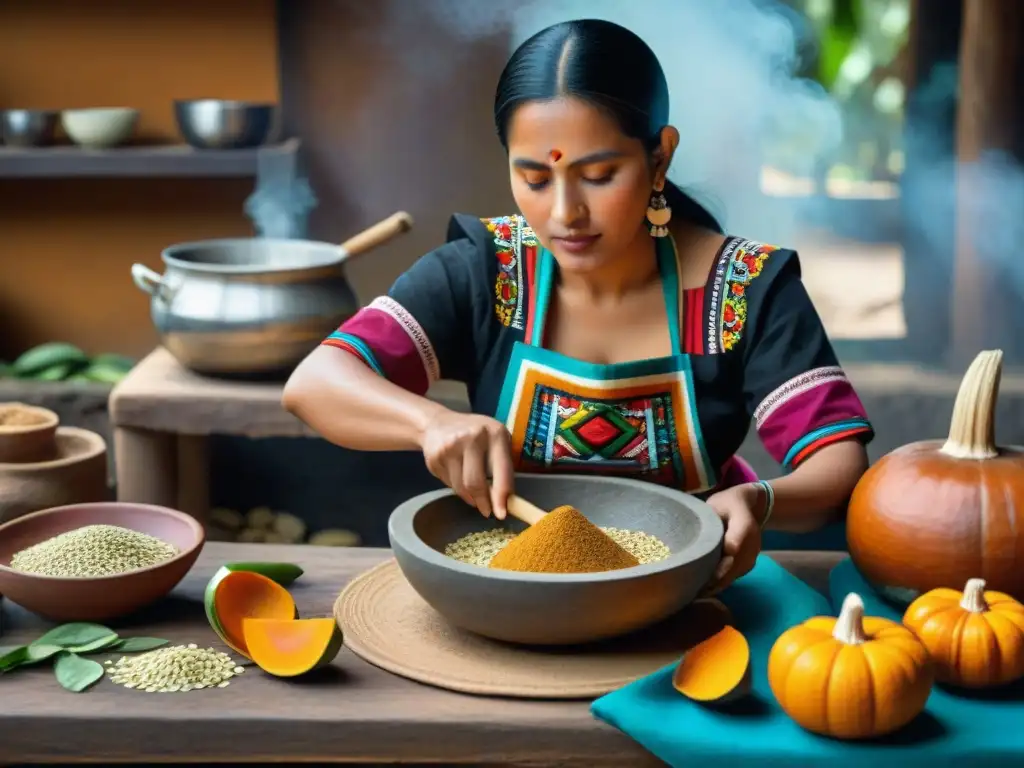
(104, 597)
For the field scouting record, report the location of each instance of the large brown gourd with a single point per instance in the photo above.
(936, 514)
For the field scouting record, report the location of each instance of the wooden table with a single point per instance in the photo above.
(355, 713)
(162, 415)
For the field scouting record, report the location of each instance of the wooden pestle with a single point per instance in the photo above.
(523, 510)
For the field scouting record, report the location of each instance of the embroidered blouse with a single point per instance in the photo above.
(751, 349)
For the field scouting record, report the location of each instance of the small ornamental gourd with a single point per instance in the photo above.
(935, 513)
(976, 638)
(850, 677)
(715, 666)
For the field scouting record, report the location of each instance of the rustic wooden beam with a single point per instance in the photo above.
(988, 118)
(929, 127)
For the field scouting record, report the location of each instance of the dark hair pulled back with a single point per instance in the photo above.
(605, 65)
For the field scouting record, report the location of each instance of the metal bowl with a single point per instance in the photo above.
(217, 124)
(28, 127)
(560, 609)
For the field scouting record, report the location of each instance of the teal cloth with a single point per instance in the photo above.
(831, 538)
(756, 731)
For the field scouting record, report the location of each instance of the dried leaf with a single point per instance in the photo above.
(76, 673)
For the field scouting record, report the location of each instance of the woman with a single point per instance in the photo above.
(611, 328)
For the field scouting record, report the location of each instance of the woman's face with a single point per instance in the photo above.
(582, 184)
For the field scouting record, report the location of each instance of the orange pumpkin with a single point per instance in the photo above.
(850, 677)
(933, 513)
(976, 638)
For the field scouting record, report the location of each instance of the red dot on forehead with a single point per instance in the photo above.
(555, 155)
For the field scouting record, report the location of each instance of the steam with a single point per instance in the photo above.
(730, 69)
(737, 102)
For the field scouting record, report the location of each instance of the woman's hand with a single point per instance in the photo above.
(461, 449)
(740, 508)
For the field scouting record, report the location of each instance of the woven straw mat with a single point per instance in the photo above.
(388, 624)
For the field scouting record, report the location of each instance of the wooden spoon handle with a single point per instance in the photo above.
(523, 510)
(378, 234)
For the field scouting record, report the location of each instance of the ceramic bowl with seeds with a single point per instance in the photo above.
(95, 562)
(443, 546)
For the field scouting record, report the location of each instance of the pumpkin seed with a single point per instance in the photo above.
(93, 550)
(179, 668)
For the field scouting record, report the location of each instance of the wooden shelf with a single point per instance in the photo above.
(64, 162)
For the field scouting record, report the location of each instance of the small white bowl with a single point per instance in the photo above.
(100, 127)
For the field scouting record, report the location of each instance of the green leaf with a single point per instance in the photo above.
(13, 657)
(75, 673)
(39, 652)
(138, 644)
(27, 655)
(96, 645)
(74, 634)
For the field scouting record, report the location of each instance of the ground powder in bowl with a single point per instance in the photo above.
(563, 541)
(93, 550)
(17, 415)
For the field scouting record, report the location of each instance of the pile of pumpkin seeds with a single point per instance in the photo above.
(478, 548)
(93, 550)
(178, 668)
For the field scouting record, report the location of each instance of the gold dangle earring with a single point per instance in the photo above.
(658, 214)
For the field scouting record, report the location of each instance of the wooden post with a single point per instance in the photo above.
(988, 117)
(930, 122)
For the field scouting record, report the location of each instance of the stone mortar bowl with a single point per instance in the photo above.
(103, 597)
(555, 608)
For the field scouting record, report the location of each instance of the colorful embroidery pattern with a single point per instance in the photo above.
(511, 236)
(642, 426)
(415, 331)
(822, 436)
(796, 387)
(354, 346)
(629, 436)
(811, 410)
(740, 263)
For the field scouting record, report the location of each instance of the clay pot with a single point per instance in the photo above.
(76, 474)
(27, 433)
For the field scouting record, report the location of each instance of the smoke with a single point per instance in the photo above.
(731, 68)
(739, 104)
(987, 194)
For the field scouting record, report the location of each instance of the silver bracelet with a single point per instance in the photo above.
(769, 505)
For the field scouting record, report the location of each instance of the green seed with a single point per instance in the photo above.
(170, 670)
(93, 550)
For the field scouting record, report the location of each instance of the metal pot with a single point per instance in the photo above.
(254, 306)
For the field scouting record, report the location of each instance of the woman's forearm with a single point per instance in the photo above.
(350, 405)
(816, 492)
